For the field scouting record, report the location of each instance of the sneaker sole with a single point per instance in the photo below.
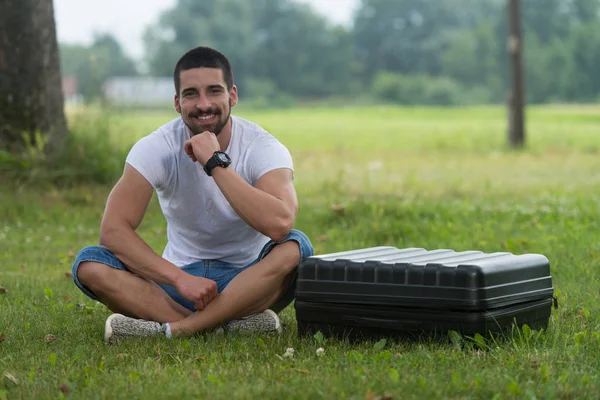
(108, 328)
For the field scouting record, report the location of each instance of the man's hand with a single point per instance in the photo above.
(201, 147)
(198, 290)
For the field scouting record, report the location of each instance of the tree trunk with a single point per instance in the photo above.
(31, 98)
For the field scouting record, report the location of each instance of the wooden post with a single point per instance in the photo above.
(516, 103)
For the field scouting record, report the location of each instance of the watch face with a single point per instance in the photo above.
(223, 157)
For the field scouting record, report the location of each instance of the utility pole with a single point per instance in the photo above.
(516, 102)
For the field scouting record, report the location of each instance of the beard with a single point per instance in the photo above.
(216, 127)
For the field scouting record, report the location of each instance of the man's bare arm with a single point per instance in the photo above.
(270, 207)
(125, 209)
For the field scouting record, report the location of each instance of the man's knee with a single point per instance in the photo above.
(92, 274)
(298, 247)
(93, 266)
(282, 261)
(287, 256)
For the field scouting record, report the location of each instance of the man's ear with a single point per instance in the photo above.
(177, 107)
(233, 96)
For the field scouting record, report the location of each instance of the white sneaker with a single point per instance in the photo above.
(266, 321)
(119, 327)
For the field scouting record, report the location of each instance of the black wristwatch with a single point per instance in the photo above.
(218, 159)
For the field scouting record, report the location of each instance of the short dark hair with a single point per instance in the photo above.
(203, 57)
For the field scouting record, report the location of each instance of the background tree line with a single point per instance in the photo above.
(402, 51)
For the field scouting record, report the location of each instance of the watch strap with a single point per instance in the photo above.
(214, 162)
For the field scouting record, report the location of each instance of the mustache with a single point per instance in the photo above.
(200, 113)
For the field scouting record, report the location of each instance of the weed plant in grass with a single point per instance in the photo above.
(365, 177)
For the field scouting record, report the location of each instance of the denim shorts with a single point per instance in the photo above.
(220, 272)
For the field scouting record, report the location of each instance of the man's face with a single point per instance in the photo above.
(204, 101)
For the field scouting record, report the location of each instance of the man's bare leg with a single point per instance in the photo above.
(253, 290)
(125, 293)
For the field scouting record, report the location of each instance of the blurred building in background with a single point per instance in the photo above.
(70, 90)
(139, 91)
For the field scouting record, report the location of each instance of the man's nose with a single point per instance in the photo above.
(203, 102)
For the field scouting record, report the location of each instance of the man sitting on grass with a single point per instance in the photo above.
(225, 188)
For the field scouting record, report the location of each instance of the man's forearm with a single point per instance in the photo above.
(265, 213)
(137, 255)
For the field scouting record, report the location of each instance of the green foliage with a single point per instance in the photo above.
(276, 40)
(263, 93)
(408, 36)
(477, 58)
(89, 155)
(92, 65)
(425, 90)
(466, 40)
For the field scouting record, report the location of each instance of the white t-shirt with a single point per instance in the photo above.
(201, 224)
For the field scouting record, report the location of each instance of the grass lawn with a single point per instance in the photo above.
(419, 177)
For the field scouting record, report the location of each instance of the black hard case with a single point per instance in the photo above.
(386, 290)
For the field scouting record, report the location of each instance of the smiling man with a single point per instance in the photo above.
(225, 187)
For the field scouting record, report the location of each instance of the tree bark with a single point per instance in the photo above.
(31, 98)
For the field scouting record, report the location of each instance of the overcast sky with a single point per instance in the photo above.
(78, 20)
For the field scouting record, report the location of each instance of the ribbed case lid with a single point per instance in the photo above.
(415, 275)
